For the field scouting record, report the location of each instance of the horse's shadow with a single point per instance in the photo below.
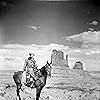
(39, 83)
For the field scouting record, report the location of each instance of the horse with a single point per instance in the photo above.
(39, 83)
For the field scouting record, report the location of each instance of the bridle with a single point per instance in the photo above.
(48, 69)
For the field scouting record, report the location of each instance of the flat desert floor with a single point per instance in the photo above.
(57, 88)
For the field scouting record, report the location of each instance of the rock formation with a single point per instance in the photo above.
(57, 58)
(61, 70)
(78, 65)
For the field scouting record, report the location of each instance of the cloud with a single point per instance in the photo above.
(90, 29)
(88, 39)
(12, 56)
(33, 27)
(16, 46)
(36, 47)
(82, 52)
(91, 52)
(93, 23)
(56, 46)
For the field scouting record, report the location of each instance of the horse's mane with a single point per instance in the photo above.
(42, 70)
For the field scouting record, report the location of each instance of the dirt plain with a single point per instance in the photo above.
(65, 84)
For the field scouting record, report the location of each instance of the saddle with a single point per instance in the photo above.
(30, 80)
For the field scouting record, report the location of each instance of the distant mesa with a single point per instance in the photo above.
(78, 65)
(57, 58)
(75, 79)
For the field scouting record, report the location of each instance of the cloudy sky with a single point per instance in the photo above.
(39, 27)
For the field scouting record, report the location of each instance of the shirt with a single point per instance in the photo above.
(30, 63)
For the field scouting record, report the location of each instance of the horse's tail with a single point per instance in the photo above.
(17, 76)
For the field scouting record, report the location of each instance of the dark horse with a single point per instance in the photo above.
(39, 83)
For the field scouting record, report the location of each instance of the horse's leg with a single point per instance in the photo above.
(38, 91)
(18, 91)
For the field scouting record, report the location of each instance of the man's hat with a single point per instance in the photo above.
(31, 54)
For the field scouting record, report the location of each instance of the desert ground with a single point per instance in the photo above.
(69, 86)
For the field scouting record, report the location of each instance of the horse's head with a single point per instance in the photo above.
(48, 69)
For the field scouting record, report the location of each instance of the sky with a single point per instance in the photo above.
(41, 26)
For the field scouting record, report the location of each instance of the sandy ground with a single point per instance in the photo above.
(52, 93)
(66, 87)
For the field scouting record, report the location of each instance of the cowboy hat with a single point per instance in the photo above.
(31, 54)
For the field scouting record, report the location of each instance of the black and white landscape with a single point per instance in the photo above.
(71, 27)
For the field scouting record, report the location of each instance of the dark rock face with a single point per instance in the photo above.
(78, 65)
(57, 58)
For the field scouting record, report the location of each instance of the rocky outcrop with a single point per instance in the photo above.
(57, 58)
(78, 65)
(62, 72)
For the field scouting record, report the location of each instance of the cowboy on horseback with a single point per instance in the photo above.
(38, 83)
(30, 68)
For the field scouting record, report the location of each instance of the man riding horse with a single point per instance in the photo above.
(30, 69)
(39, 83)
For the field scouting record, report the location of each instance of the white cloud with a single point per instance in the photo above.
(23, 50)
(95, 52)
(74, 51)
(90, 29)
(33, 27)
(93, 23)
(88, 39)
(36, 47)
(88, 53)
(13, 55)
(56, 46)
(16, 46)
